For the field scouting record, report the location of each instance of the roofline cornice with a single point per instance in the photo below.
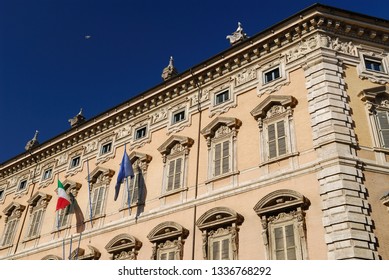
(272, 40)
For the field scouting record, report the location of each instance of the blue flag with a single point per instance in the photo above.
(124, 172)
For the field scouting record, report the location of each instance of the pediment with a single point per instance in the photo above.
(37, 197)
(123, 242)
(213, 126)
(219, 216)
(100, 171)
(286, 101)
(13, 206)
(167, 230)
(172, 141)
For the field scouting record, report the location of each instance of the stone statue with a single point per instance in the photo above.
(33, 142)
(169, 71)
(77, 120)
(237, 36)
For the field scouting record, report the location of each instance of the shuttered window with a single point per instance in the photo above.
(133, 189)
(167, 256)
(174, 174)
(383, 123)
(220, 249)
(62, 218)
(97, 201)
(36, 219)
(284, 243)
(222, 158)
(276, 139)
(9, 232)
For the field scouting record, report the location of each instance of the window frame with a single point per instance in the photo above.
(144, 134)
(273, 77)
(103, 150)
(22, 186)
(374, 61)
(48, 171)
(178, 113)
(75, 162)
(224, 93)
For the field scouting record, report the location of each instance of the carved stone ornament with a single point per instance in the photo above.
(124, 246)
(77, 119)
(159, 115)
(237, 36)
(169, 71)
(245, 76)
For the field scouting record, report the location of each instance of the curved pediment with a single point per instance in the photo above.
(79, 254)
(100, 171)
(281, 200)
(123, 242)
(174, 140)
(286, 101)
(218, 216)
(167, 230)
(12, 208)
(37, 197)
(213, 126)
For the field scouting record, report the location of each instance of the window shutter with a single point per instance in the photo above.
(290, 244)
(32, 224)
(171, 256)
(226, 157)
(216, 250)
(384, 127)
(133, 188)
(170, 175)
(177, 175)
(9, 232)
(97, 201)
(281, 138)
(35, 226)
(217, 159)
(225, 249)
(272, 141)
(163, 256)
(279, 243)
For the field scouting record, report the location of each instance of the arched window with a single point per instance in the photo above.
(283, 222)
(168, 240)
(220, 228)
(124, 247)
(12, 216)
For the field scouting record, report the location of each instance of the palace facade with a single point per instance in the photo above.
(276, 148)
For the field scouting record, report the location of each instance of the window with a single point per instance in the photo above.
(140, 133)
(168, 240)
(100, 179)
(47, 174)
(222, 97)
(220, 228)
(221, 158)
(75, 162)
(13, 213)
(276, 139)
(271, 75)
(175, 152)
(383, 127)
(178, 117)
(38, 203)
(106, 148)
(63, 218)
(282, 213)
(276, 133)
(22, 185)
(221, 138)
(374, 64)
(1, 194)
(124, 247)
(377, 106)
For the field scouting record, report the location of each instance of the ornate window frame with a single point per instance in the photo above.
(137, 185)
(63, 220)
(168, 238)
(217, 88)
(38, 205)
(376, 101)
(104, 157)
(380, 77)
(100, 179)
(218, 131)
(274, 85)
(76, 153)
(274, 109)
(140, 142)
(217, 223)
(174, 127)
(175, 148)
(279, 209)
(13, 213)
(124, 247)
(49, 180)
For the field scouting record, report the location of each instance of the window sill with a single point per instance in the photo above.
(220, 177)
(276, 159)
(60, 229)
(132, 206)
(31, 238)
(94, 218)
(6, 246)
(381, 150)
(173, 192)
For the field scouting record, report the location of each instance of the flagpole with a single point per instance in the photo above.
(89, 194)
(78, 246)
(70, 248)
(129, 197)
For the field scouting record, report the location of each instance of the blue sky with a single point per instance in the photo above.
(49, 70)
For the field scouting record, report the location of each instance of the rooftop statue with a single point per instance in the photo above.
(33, 142)
(77, 120)
(169, 71)
(238, 35)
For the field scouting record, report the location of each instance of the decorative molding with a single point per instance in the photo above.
(123, 247)
(276, 84)
(79, 254)
(378, 77)
(245, 76)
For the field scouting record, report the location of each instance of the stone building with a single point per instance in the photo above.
(277, 148)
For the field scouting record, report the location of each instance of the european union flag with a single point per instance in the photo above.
(124, 172)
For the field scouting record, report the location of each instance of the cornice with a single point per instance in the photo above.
(252, 50)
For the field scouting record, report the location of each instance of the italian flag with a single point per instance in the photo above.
(63, 197)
